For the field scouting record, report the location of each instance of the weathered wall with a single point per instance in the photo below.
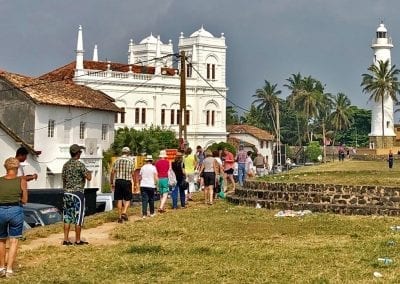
(17, 111)
(343, 199)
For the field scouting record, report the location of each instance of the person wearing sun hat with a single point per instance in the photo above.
(121, 178)
(74, 175)
(148, 184)
(162, 166)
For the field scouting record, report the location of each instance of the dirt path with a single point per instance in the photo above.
(95, 236)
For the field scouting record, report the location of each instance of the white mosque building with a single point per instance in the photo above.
(382, 46)
(148, 90)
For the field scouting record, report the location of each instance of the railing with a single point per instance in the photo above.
(118, 75)
(382, 41)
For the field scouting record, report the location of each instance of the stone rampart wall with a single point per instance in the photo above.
(343, 199)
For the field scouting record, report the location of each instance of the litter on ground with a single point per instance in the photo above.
(293, 213)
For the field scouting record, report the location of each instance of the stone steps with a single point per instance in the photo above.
(342, 199)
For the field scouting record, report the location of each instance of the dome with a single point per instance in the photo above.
(201, 32)
(381, 28)
(150, 39)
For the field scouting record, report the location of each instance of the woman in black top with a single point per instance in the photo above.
(178, 168)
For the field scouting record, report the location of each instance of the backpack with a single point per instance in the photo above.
(171, 178)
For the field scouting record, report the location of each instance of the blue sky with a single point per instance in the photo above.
(267, 40)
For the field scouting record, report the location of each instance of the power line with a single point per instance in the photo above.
(91, 110)
(45, 82)
(216, 90)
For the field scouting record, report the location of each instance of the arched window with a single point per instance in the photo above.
(211, 63)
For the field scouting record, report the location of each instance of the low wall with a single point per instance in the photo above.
(342, 199)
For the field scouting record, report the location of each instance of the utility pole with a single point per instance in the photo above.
(182, 102)
(278, 137)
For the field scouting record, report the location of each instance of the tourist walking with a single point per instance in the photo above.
(241, 157)
(121, 179)
(249, 165)
(390, 159)
(13, 194)
(228, 167)
(162, 166)
(190, 164)
(210, 169)
(219, 179)
(199, 159)
(260, 164)
(148, 184)
(74, 174)
(21, 155)
(178, 168)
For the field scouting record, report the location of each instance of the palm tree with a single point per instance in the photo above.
(232, 116)
(342, 116)
(267, 100)
(295, 86)
(382, 83)
(309, 100)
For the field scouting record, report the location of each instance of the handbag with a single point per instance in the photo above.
(171, 178)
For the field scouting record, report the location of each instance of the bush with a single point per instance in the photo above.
(313, 151)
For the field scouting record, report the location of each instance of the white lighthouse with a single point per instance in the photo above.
(381, 46)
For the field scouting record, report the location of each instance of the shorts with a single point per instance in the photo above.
(123, 190)
(74, 207)
(209, 179)
(11, 221)
(163, 186)
(229, 171)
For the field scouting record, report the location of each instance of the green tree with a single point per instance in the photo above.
(295, 85)
(313, 151)
(342, 115)
(357, 134)
(381, 83)
(267, 101)
(232, 116)
(256, 117)
(309, 101)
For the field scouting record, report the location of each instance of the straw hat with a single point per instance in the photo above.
(149, 158)
(163, 154)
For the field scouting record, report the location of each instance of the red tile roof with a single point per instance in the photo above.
(62, 93)
(249, 129)
(66, 72)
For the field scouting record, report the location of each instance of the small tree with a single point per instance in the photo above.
(313, 151)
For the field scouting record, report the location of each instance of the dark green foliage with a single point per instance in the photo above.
(313, 151)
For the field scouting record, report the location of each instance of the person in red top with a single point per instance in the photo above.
(229, 161)
(162, 166)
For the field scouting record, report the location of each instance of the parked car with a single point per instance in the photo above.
(36, 214)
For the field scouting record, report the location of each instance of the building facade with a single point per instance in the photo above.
(47, 117)
(147, 86)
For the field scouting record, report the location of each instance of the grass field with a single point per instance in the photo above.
(226, 244)
(347, 172)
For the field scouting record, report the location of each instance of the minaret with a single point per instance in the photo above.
(381, 46)
(131, 56)
(158, 62)
(79, 54)
(95, 53)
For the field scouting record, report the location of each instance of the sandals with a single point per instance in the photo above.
(124, 217)
(81, 243)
